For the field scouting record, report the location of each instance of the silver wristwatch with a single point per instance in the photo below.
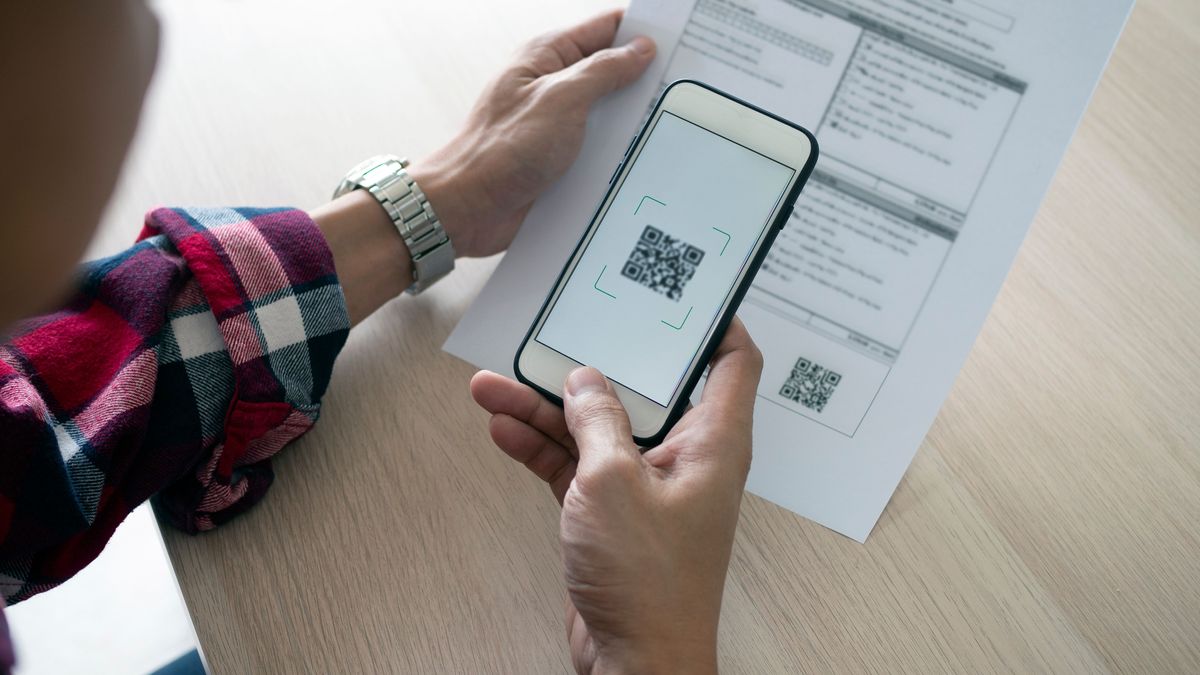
(387, 180)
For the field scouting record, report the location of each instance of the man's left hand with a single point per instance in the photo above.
(525, 130)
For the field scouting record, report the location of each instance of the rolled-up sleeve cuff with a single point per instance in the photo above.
(268, 278)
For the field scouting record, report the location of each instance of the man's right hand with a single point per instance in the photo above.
(646, 538)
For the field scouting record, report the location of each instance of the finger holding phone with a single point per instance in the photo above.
(696, 201)
(646, 538)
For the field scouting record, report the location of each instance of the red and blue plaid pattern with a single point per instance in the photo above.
(177, 370)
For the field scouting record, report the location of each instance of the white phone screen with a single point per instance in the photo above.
(657, 271)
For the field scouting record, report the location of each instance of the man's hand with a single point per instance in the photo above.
(646, 538)
(524, 132)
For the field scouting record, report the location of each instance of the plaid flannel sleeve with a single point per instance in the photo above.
(177, 370)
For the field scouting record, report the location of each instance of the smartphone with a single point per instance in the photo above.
(690, 212)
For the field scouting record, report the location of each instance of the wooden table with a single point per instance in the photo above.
(1050, 522)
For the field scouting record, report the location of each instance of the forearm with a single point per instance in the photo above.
(373, 264)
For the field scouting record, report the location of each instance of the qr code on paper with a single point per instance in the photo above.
(662, 263)
(810, 385)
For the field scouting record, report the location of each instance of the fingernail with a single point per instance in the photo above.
(585, 380)
(642, 45)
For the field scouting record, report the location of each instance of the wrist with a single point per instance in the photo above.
(447, 183)
(372, 262)
(442, 186)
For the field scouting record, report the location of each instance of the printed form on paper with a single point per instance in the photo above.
(941, 124)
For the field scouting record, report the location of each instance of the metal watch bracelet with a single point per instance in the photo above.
(386, 178)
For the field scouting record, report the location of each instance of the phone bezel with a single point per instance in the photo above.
(545, 369)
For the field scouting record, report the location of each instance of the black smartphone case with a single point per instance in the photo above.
(740, 292)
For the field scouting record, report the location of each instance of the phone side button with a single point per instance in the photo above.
(616, 171)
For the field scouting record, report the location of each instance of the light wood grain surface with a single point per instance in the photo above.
(1050, 522)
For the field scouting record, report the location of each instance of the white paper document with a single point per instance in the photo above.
(941, 124)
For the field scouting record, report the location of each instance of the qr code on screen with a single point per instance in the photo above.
(810, 385)
(662, 263)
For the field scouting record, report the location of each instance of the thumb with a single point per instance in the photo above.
(595, 418)
(609, 69)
